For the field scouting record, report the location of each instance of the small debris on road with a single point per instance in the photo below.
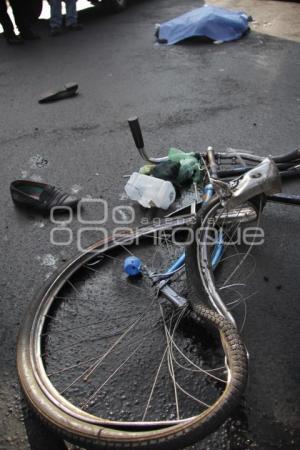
(70, 90)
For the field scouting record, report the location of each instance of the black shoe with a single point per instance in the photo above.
(74, 27)
(70, 90)
(13, 39)
(56, 31)
(40, 195)
(30, 36)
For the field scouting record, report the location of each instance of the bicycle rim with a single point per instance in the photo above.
(229, 285)
(120, 367)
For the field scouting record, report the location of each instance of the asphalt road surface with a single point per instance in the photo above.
(244, 95)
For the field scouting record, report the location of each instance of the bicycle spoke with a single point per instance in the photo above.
(86, 403)
(245, 256)
(200, 369)
(88, 372)
(154, 383)
(170, 363)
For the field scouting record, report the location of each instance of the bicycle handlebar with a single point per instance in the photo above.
(288, 157)
(136, 132)
(212, 162)
(137, 135)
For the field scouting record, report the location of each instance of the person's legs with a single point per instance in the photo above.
(56, 14)
(71, 12)
(8, 26)
(5, 19)
(21, 15)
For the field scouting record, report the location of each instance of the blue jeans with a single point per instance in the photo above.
(56, 19)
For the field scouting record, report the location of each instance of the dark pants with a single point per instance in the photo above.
(5, 19)
(20, 13)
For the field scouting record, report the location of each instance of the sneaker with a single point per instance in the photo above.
(69, 90)
(56, 31)
(13, 39)
(74, 27)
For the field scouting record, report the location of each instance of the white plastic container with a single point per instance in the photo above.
(150, 191)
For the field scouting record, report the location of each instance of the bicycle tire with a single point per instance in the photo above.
(84, 429)
(202, 293)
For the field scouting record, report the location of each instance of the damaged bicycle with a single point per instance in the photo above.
(154, 360)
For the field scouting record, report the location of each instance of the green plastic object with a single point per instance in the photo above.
(190, 166)
(181, 168)
(175, 154)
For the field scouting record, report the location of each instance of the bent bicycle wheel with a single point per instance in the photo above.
(108, 362)
(220, 264)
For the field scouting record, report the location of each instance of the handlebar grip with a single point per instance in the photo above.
(136, 132)
(288, 157)
(212, 162)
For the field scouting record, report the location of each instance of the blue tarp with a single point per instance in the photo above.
(214, 23)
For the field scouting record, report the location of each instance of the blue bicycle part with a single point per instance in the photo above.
(177, 264)
(217, 252)
(208, 192)
(132, 266)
